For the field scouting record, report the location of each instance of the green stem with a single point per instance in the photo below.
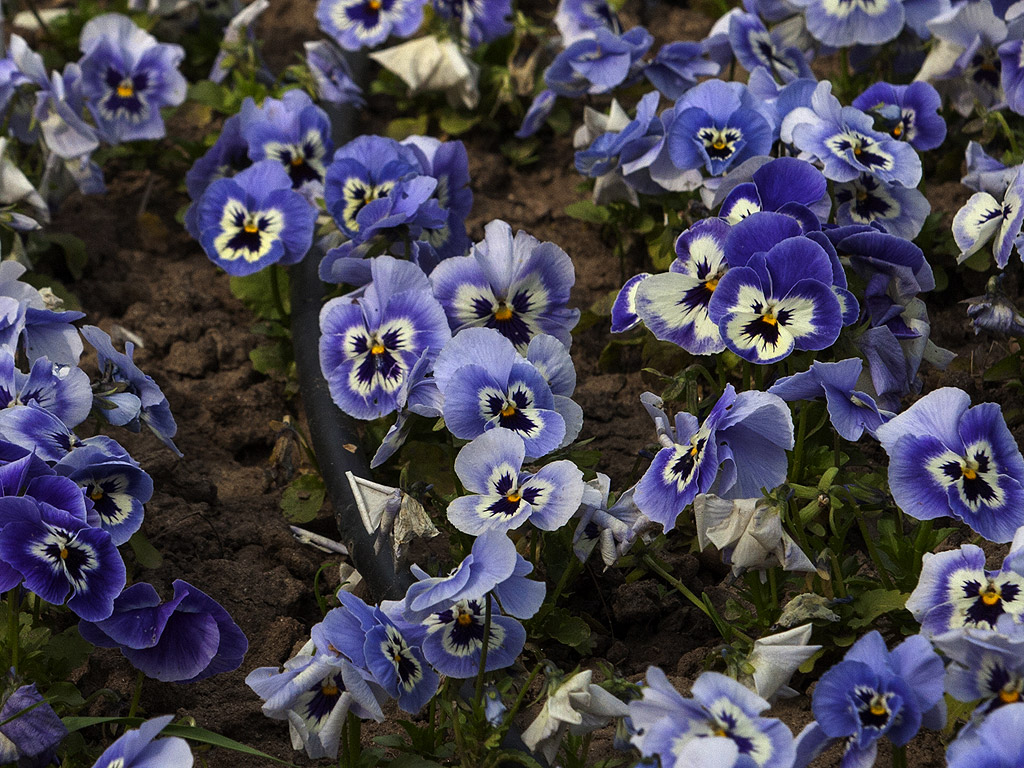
(570, 572)
(798, 449)
(133, 708)
(839, 585)
(478, 696)
(275, 289)
(876, 558)
(685, 591)
(1006, 130)
(522, 694)
(14, 625)
(355, 746)
(899, 757)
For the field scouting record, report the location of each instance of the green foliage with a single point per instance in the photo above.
(303, 499)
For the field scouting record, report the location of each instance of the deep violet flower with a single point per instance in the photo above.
(355, 24)
(369, 345)
(998, 742)
(189, 638)
(678, 66)
(139, 748)
(448, 163)
(61, 389)
(778, 185)
(31, 730)
(598, 64)
(128, 78)
(742, 444)
(720, 726)
(516, 285)
(946, 458)
(871, 693)
(909, 112)
(503, 496)
(254, 219)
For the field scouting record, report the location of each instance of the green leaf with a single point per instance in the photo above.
(256, 292)
(562, 626)
(272, 358)
(455, 123)
(1007, 369)
(190, 732)
(303, 498)
(75, 254)
(209, 93)
(64, 694)
(409, 760)
(874, 603)
(145, 553)
(585, 210)
(404, 127)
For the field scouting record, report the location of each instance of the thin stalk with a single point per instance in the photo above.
(133, 708)
(30, 4)
(685, 591)
(571, 570)
(275, 289)
(839, 584)
(899, 757)
(355, 746)
(1006, 130)
(798, 449)
(876, 558)
(14, 625)
(522, 693)
(478, 695)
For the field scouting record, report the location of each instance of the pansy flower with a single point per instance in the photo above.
(874, 693)
(853, 22)
(332, 75)
(139, 748)
(576, 19)
(955, 590)
(986, 666)
(746, 435)
(129, 77)
(30, 731)
(845, 141)
(779, 301)
(611, 528)
(448, 163)
(755, 46)
(517, 285)
(254, 219)
(984, 172)
(994, 311)
(418, 394)
(779, 185)
(998, 742)
(909, 112)
(717, 126)
(503, 496)
(368, 345)
(355, 24)
(538, 111)
(293, 131)
(720, 725)
(624, 316)
(984, 218)
(674, 305)
(598, 64)
(487, 384)
(188, 638)
(901, 211)
(479, 21)
(678, 66)
(61, 389)
(948, 459)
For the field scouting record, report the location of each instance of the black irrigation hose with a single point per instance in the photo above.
(331, 429)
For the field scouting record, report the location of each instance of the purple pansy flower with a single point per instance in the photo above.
(31, 731)
(785, 185)
(355, 24)
(479, 21)
(901, 211)
(910, 112)
(998, 742)
(598, 64)
(853, 22)
(332, 74)
(139, 748)
(678, 66)
(755, 46)
(61, 389)
(986, 666)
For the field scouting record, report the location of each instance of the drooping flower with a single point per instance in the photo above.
(30, 730)
(332, 74)
(955, 590)
(986, 666)
(851, 411)
(984, 218)
(239, 28)
(874, 693)
(139, 748)
(369, 345)
(448, 163)
(61, 389)
(946, 458)
(504, 497)
(775, 658)
(678, 66)
(128, 78)
(984, 172)
(188, 638)
(516, 285)
(866, 199)
(577, 19)
(845, 141)
(909, 112)
(479, 21)
(611, 528)
(998, 742)
(486, 384)
(292, 131)
(721, 725)
(742, 444)
(755, 46)
(127, 396)
(717, 126)
(254, 219)
(994, 311)
(418, 394)
(598, 64)
(356, 24)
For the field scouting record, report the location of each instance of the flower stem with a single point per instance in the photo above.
(522, 693)
(798, 449)
(133, 708)
(478, 695)
(275, 289)
(876, 558)
(899, 757)
(686, 592)
(14, 625)
(355, 747)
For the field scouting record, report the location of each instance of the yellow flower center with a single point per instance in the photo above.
(375, 5)
(969, 473)
(769, 317)
(377, 349)
(330, 689)
(297, 160)
(857, 150)
(1009, 697)
(898, 130)
(97, 494)
(991, 594)
(719, 144)
(125, 90)
(878, 708)
(503, 312)
(250, 227)
(514, 496)
(508, 410)
(464, 619)
(63, 553)
(711, 284)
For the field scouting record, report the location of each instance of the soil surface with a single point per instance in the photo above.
(215, 515)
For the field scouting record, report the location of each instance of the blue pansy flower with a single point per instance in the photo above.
(984, 172)
(851, 412)
(674, 304)
(576, 19)
(188, 638)
(539, 110)
(853, 22)
(228, 155)
(955, 590)
(355, 24)
(781, 300)
(755, 46)
(994, 311)
(624, 316)
(720, 726)
(60, 557)
(479, 21)
(486, 384)
(30, 731)
(448, 163)
(254, 219)
(332, 75)
(139, 748)
(598, 64)
(61, 389)
(454, 638)
(985, 218)
(717, 126)
(986, 666)
(368, 345)
(908, 112)
(602, 156)
(612, 528)
(901, 211)
(418, 394)
(778, 185)
(128, 78)
(138, 399)
(845, 141)
(678, 66)
(293, 131)
(742, 444)
(874, 693)
(117, 487)
(517, 285)
(28, 322)
(503, 496)
(998, 742)
(948, 459)
(39, 431)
